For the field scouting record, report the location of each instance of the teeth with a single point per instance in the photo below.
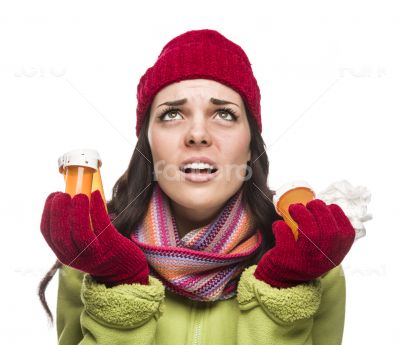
(198, 166)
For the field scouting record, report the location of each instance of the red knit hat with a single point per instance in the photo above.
(200, 54)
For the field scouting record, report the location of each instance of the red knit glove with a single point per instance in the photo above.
(325, 237)
(103, 252)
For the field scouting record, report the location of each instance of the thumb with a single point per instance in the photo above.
(283, 233)
(45, 220)
(98, 214)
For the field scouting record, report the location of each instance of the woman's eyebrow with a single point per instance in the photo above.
(184, 100)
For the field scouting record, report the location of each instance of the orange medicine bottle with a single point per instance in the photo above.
(295, 192)
(81, 170)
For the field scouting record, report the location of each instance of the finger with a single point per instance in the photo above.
(63, 239)
(341, 219)
(308, 228)
(45, 220)
(346, 232)
(343, 222)
(100, 220)
(283, 233)
(81, 232)
(326, 221)
(59, 223)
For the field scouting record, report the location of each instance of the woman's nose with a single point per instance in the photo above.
(198, 134)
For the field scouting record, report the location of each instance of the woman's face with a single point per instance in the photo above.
(198, 127)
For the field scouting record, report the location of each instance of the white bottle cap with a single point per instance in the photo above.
(61, 164)
(288, 186)
(81, 157)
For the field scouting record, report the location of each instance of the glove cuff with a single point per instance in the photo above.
(266, 273)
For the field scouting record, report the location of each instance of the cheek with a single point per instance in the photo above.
(236, 150)
(162, 147)
(236, 154)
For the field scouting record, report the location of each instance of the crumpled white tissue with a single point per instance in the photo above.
(352, 200)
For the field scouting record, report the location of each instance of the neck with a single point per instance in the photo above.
(188, 219)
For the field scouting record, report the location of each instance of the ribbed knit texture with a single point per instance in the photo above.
(81, 236)
(206, 263)
(200, 54)
(325, 237)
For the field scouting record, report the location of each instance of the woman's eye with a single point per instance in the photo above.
(164, 115)
(229, 114)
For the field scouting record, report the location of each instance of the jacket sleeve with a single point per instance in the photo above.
(90, 313)
(307, 314)
(329, 319)
(69, 306)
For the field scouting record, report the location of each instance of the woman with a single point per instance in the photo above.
(195, 253)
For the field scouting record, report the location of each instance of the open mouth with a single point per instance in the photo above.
(199, 174)
(199, 171)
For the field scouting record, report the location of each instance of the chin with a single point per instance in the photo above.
(199, 192)
(185, 193)
(199, 195)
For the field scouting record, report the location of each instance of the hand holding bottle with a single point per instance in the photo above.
(325, 235)
(100, 249)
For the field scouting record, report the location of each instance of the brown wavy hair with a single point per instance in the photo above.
(136, 183)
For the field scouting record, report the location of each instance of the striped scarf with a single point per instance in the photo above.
(205, 264)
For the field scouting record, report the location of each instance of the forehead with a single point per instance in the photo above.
(197, 89)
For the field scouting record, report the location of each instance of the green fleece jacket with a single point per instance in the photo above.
(91, 313)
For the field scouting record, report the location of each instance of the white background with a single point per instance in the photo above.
(329, 79)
